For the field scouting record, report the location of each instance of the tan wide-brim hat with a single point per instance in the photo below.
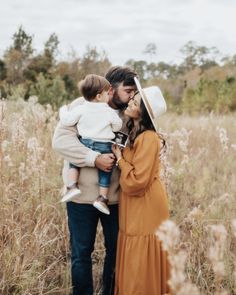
(153, 100)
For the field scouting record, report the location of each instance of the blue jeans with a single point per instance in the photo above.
(82, 221)
(104, 178)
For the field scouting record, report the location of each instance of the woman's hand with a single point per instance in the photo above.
(116, 151)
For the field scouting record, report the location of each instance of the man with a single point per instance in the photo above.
(82, 216)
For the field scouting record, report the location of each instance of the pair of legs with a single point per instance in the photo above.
(83, 220)
(104, 178)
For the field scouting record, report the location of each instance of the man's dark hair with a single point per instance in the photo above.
(117, 75)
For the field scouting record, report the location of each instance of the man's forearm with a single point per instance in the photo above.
(66, 143)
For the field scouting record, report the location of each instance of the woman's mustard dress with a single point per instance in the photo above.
(141, 264)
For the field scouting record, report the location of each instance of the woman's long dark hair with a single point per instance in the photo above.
(144, 124)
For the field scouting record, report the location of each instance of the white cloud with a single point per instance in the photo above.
(123, 28)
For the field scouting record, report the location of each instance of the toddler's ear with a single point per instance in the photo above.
(98, 97)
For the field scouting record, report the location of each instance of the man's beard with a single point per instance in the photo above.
(119, 104)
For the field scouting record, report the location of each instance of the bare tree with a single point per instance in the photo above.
(151, 50)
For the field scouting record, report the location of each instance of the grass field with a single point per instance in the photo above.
(199, 169)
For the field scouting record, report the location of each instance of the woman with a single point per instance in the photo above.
(142, 266)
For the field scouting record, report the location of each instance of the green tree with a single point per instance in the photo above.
(152, 70)
(139, 66)
(49, 90)
(51, 48)
(43, 63)
(3, 70)
(69, 71)
(22, 42)
(93, 62)
(38, 64)
(229, 60)
(198, 56)
(218, 96)
(17, 56)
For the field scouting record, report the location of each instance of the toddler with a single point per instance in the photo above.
(96, 123)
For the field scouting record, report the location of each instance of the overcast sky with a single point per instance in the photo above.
(123, 28)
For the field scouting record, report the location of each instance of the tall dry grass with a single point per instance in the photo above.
(200, 177)
(200, 173)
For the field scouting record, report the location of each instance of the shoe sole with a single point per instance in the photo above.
(69, 196)
(98, 206)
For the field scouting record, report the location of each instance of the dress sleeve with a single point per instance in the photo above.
(135, 176)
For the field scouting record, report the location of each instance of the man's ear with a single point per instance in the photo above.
(111, 91)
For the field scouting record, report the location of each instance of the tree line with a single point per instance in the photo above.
(203, 82)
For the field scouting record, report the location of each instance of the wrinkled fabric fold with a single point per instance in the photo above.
(148, 273)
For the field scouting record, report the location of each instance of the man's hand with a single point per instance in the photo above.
(105, 162)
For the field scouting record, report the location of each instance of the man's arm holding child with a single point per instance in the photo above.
(67, 144)
(70, 117)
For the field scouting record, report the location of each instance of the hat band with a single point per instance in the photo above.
(148, 105)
